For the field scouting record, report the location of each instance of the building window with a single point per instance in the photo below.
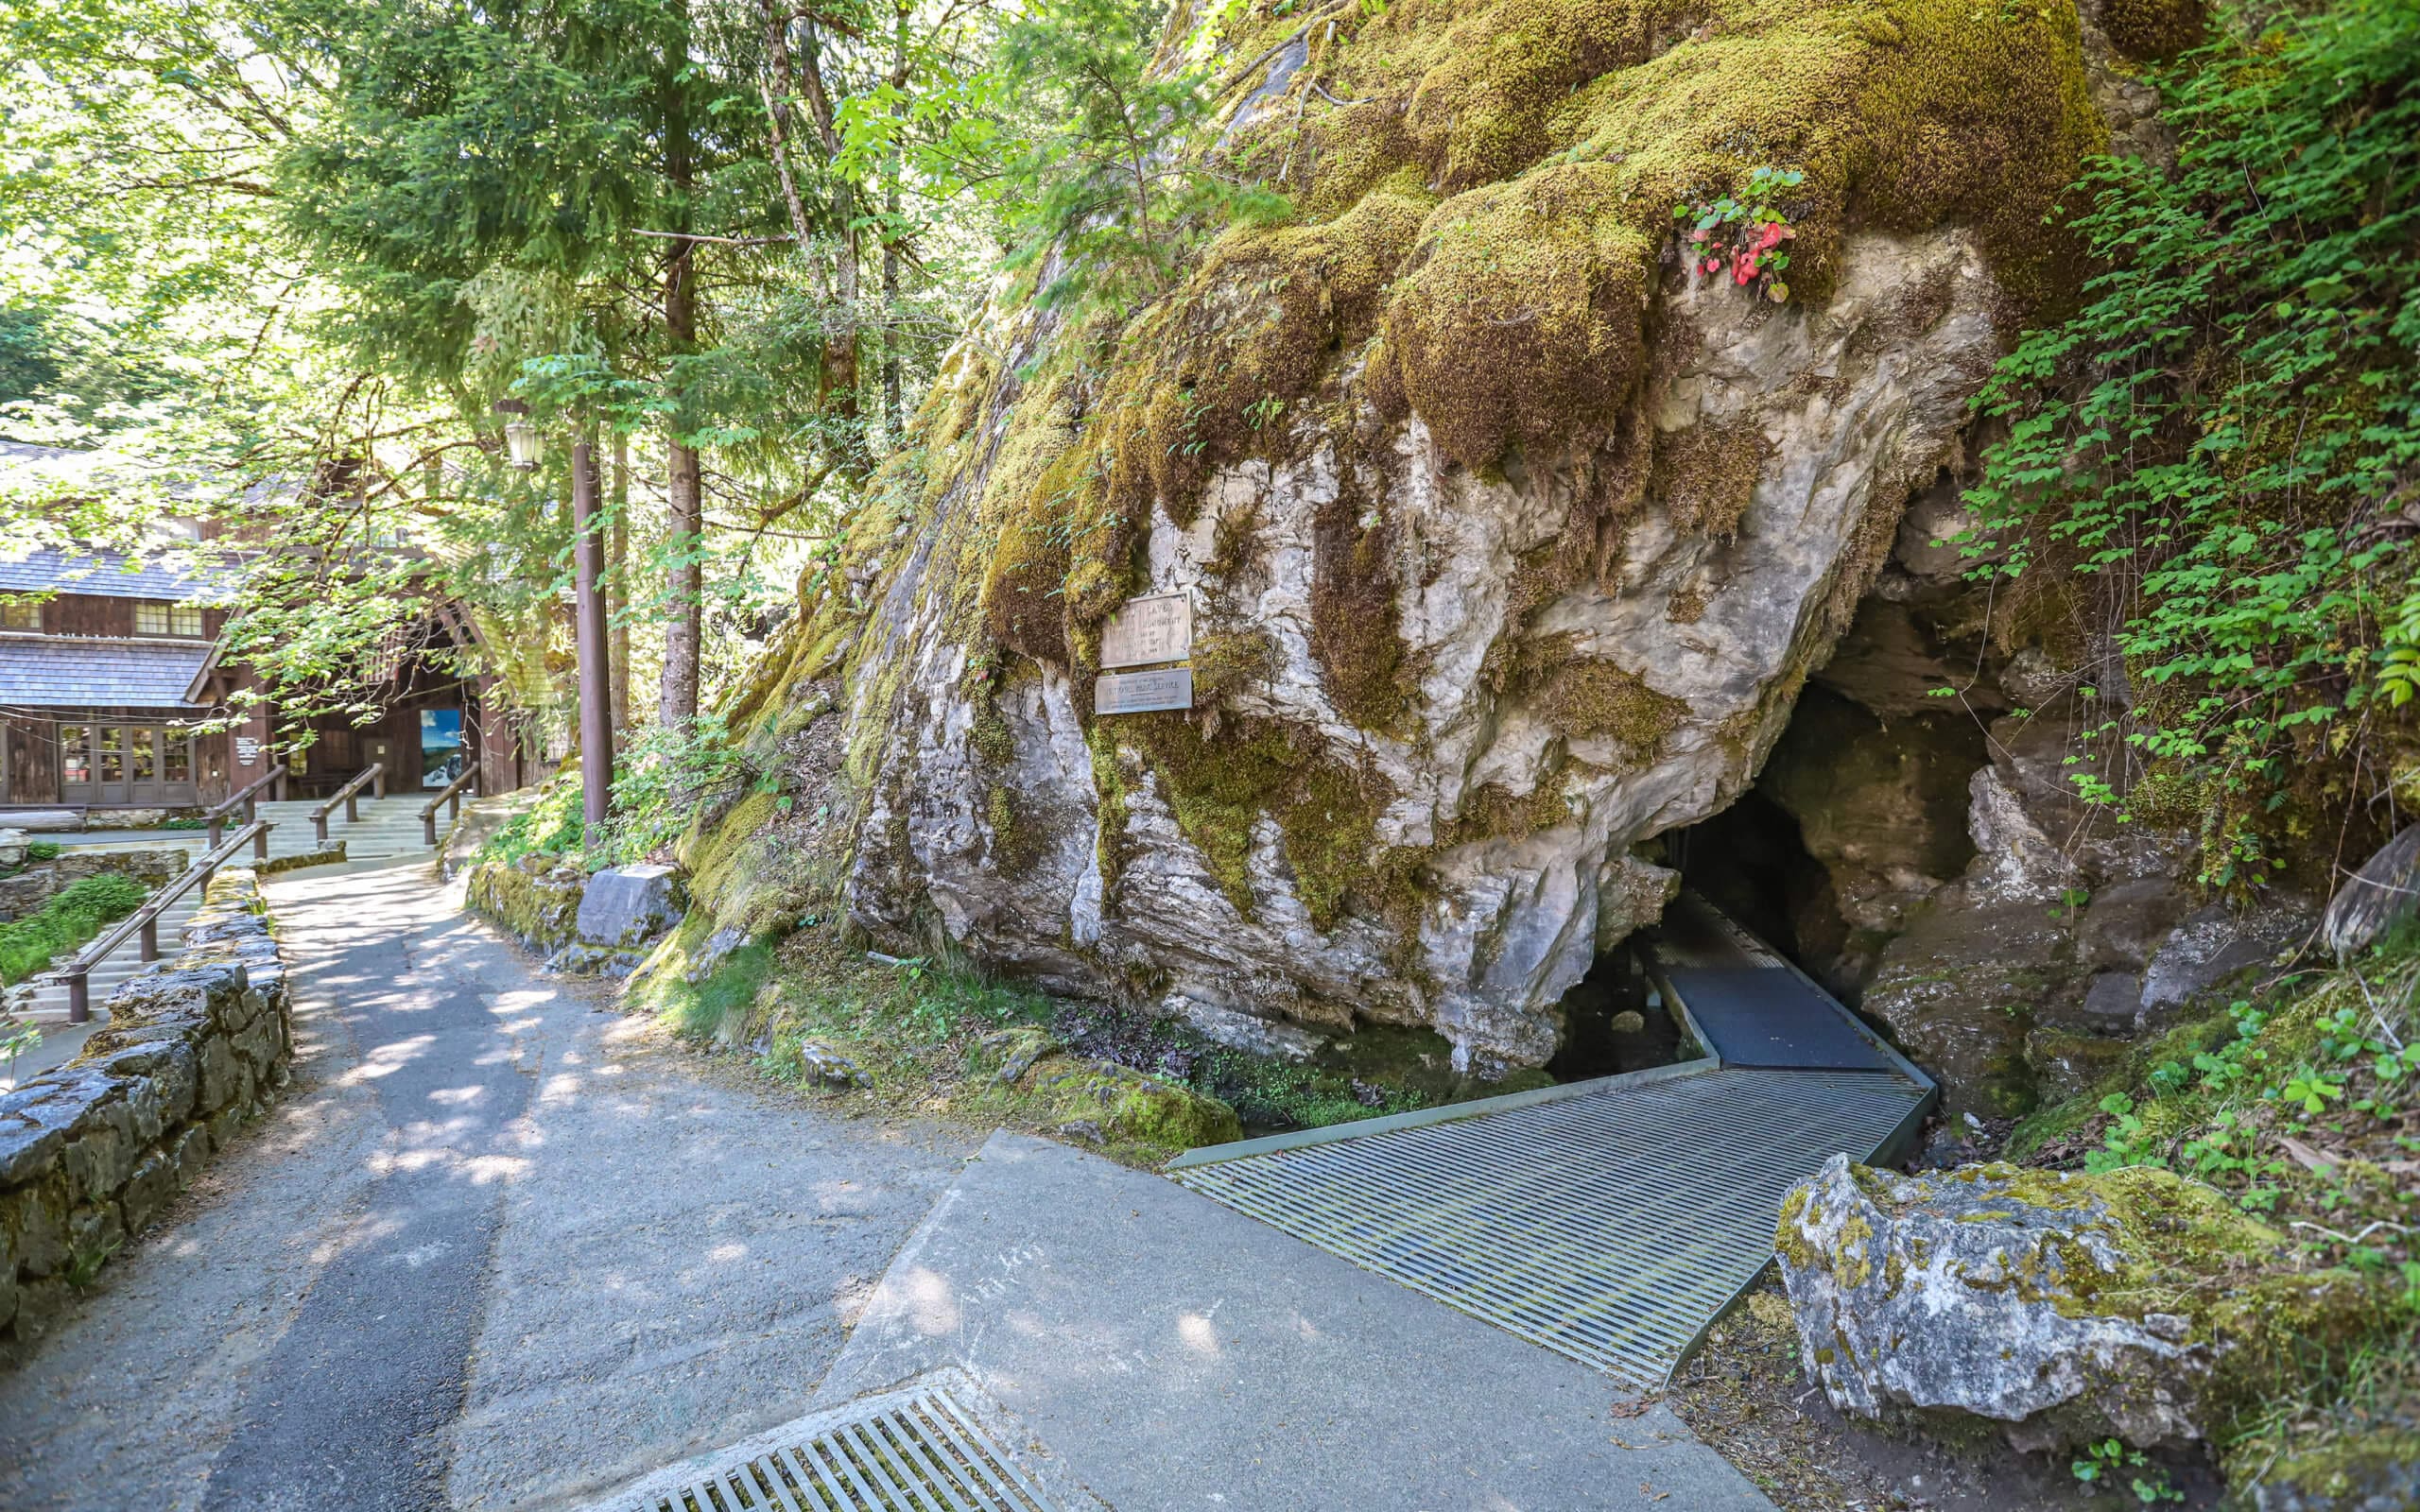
(20, 614)
(75, 755)
(153, 618)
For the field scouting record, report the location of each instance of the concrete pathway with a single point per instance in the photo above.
(495, 1247)
(1177, 1355)
(499, 1248)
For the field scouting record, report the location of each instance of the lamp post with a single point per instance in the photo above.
(522, 444)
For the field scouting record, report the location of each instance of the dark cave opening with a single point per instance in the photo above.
(1751, 862)
(1854, 821)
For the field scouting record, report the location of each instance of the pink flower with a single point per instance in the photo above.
(1772, 237)
(1698, 235)
(1713, 264)
(1744, 270)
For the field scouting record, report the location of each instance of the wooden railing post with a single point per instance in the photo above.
(260, 843)
(150, 937)
(319, 828)
(378, 784)
(79, 1000)
(428, 826)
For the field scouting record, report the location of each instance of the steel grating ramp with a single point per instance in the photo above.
(1611, 1221)
(934, 1445)
(1612, 1226)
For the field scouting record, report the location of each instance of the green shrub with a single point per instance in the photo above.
(41, 851)
(73, 916)
(2227, 430)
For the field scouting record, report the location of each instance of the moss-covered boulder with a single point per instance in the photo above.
(1104, 1101)
(2135, 1303)
(1512, 534)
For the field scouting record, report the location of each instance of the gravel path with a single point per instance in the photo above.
(494, 1249)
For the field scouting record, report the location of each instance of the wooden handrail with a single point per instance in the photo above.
(452, 794)
(248, 796)
(146, 920)
(350, 796)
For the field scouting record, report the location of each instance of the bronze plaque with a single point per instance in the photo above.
(1134, 693)
(1148, 631)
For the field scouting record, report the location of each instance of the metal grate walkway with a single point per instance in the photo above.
(1613, 1220)
(1613, 1226)
(932, 1446)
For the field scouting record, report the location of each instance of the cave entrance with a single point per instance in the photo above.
(1859, 815)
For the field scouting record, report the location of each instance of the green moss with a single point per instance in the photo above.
(716, 1006)
(1219, 789)
(1520, 320)
(1231, 661)
(1109, 786)
(1016, 844)
(1125, 1103)
(1354, 631)
(1494, 812)
(1706, 474)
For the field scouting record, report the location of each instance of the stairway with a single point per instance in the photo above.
(389, 828)
(49, 1003)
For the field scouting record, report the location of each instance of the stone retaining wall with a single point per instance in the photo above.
(23, 892)
(91, 1152)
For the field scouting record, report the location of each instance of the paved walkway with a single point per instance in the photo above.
(499, 1248)
(494, 1249)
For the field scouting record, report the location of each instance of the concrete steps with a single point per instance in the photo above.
(49, 1003)
(389, 828)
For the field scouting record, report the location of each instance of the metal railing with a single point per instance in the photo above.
(452, 795)
(248, 797)
(350, 796)
(146, 920)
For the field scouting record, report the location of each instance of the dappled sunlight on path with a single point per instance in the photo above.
(495, 1243)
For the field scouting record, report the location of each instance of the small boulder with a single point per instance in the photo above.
(1124, 1104)
(624, 907)
(2384, 893)
(720, 947)
(2125, 923)
(2214, 943)
(2012, 1296)
(826, 1067)
(12, 849)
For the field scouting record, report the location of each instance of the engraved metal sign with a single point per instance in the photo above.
(1134, 693)
(1148, 631)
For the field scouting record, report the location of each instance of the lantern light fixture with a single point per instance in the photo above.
(522, 443)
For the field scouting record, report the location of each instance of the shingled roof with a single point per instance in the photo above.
(107, 574)
(56, 671)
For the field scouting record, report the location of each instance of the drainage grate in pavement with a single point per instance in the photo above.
(932, 1446)
(1612, 1226)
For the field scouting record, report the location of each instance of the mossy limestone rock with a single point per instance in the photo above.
(1512, 535)
(1117, 1102)
(534, 899)
(2022, 1298)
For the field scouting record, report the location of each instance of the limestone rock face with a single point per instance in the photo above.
(1974, 1292)
(1075, 857)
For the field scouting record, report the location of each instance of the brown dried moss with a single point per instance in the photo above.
(1706, 474)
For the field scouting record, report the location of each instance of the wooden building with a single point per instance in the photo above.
(115, 693)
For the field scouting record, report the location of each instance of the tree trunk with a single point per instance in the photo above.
(892, 418)
(684, 630)
(803, 77)
(617, 595)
